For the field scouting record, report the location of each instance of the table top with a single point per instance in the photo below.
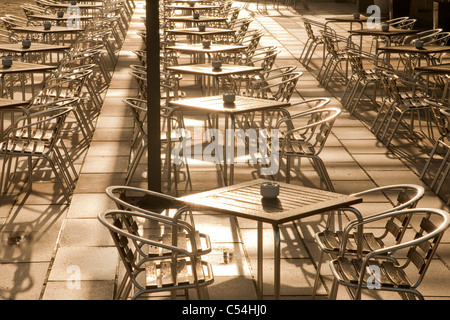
(410, 48)
(439, 68)
(198, 20)
(294, 202)
(19, 66)
(195, 7)
(199, 48)
(79, 5)
(55, 17)
(35, 47)
(215, 104)
(10, 103)
(208, 70)
(53, 29)
(195, 31)
(347, 18)
(379, 32)
(187, 1)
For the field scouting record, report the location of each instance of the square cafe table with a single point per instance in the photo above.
(19, 67)
(56, 30)
(206, 70)
(215, 105)
(198, 49)
(294, 202)
(196, 35)
(377, 33)
(34, 48)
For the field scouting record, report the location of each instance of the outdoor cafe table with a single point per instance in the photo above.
(196, 35)
(207, 72)
(190, 20)
(8, 110)
(196, 7)
(411, 49)
(17, 48)
(378, 33)
(347, 19)
(443, 68)
(59, 31)
(199, 50)
(215, 105)
(20, 68)
(59, 20)
(294, 202)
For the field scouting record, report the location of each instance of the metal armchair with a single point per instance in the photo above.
(330, 241)
(158, 255)
(400, 267)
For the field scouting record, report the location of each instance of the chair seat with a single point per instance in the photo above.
(299, 147)
(164, 274)
(201, 241)
(390, 276)
(331, 242)
(24, 146)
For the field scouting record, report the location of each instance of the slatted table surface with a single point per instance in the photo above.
(294, 202)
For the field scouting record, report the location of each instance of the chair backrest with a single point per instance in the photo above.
(311, 27)
(406, 196)
(426, 36)
(315, 128)
(406, 24)
(284, 84)
(423, 240)
(143, 200)
(138, 108)
(441, 116)
(41, 125)
(442, 38)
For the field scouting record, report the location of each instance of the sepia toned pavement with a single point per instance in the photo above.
(55, 251)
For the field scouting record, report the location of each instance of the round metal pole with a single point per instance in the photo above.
(153, 96)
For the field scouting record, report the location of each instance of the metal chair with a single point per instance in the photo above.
(170, 137)
(400, 267)
(284, 84)
(441, 114)
(391, 113)
(158, 255)
(37, 136)
(363, 75)
(307, 140)
(330, 241)
(314, 40)
(335, 57)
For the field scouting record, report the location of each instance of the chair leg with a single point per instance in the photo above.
(317, 278)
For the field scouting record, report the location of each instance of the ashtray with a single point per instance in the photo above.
(201, 27)
(60, 14)
(419, 44)
(26, 44)
(269, 190)
(7, 62)
(196, 15)
(217, 65)
(47, 25)
(191, 3)
(229, 98)
(206, 43)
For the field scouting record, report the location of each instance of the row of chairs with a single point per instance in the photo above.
(70, 101)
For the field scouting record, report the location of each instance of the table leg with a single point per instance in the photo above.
(260, 261)
(276, 261)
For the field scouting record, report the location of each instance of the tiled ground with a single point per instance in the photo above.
(49, 246)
